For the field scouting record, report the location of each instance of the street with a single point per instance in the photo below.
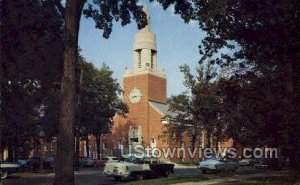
(83, 177)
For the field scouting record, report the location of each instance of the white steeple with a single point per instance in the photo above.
(145, 51)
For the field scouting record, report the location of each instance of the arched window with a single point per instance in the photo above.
(139, 58)
(152, 58)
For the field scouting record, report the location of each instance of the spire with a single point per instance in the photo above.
(147, 27)
(144, 51)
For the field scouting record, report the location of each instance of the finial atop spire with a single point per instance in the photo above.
(145, 9)
(147, 27)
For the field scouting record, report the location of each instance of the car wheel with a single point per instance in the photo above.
(167, 173)
(139, 177)
(3, 174)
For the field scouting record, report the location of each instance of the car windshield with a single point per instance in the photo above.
(132, 159)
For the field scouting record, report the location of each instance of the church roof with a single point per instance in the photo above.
(162, 108)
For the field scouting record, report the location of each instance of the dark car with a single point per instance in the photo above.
(50, 160)
(269, 163)
(86, 162)
(23, 162)
(35, 163)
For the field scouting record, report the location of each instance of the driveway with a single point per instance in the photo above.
(82, 177)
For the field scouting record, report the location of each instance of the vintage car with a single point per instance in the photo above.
(7, 168)
(138, 168)
(247, 162)
(218, 165)
(101, 163)
(86, 162)
(272, 163)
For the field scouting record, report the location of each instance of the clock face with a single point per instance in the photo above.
(135, 95)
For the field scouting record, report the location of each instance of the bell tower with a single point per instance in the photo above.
(145, 81)
(145, 51)
(143, 84)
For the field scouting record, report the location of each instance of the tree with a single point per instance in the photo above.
(197, 109)
(100, 101)
(264, 41)
(103, 12)
(31, 56)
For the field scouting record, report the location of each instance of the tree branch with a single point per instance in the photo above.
(60, 7)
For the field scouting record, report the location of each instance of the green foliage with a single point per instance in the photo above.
(105, 12)
(30, 72)
(259, 42)
(198, 108)
(100, 100)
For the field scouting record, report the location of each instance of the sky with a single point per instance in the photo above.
(177, 44)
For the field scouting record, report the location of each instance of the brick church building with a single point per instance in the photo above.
(145, 90)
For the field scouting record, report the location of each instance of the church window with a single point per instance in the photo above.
(152, 140)
(134, 139)
(139, 58)
(104, 146)
(152, 57)
(181, 144)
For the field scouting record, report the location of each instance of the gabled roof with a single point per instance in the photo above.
(162, 108)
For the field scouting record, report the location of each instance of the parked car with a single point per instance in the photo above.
(50, 160)
(35, 163)
(272, 163)
(23, 162)
(284, 161)
(7, 168)
(247, 162)
(86, 162)
(217, 165)
(101, 163)
(138, 168)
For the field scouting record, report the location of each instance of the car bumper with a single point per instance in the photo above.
(116, 174)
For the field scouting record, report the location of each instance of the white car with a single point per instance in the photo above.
(7, 168)
(125, 169)
(101, 163)
(215, 164)
(138, 168)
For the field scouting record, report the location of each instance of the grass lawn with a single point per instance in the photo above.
(171, 180)
(288, 180)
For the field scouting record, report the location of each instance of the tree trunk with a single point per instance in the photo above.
(77, 148)
(209, 138)
(291, 112)
(2, 79)
(1, 150)
(87, 148)
(64, 170)
(193, 141)
(10, 152)
(98, 146)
